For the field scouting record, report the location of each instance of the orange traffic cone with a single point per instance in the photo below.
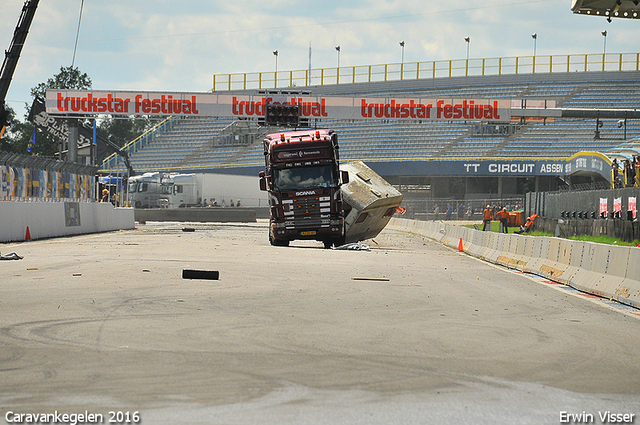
(460, 247)
(27, 237)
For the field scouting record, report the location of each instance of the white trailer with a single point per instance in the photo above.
(163, 190)
(225, 188)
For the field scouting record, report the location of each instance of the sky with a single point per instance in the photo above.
(168, 45)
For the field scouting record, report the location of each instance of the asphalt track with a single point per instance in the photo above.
(409, 333)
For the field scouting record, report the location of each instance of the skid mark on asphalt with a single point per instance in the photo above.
(610, 304)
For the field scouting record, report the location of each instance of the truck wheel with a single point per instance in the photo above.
(138, 204)
(328, 243)
(278, 242)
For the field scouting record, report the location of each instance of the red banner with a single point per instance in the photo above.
(88, 102)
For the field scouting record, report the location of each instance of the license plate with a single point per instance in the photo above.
(308, 233)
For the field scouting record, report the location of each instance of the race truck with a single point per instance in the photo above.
(303, 180)
(310, 197)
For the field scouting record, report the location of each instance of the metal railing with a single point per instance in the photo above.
(428, 69)
(112, 161)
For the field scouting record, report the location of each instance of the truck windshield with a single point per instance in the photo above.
(166, 189)
(304, 178)
(133, 186)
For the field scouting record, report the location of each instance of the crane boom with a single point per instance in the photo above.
(13, 54)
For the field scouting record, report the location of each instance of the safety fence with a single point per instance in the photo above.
(625, 230)
(428, 69)
(472, 208)
(32, 178)
(581, 204)
(609, 271)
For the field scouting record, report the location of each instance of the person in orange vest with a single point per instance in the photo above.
(528, 226)
(503, 216)
(486, 219)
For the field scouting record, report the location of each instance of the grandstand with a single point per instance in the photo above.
(406, 151)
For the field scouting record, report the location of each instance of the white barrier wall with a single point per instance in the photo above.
(606, 270)
(52, 219)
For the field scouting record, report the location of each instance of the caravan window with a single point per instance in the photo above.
(177, 189)
(165, 189)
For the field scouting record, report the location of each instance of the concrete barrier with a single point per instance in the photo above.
(551, 267)
(631, 281)
(568, 249)
(609, 271)
(54, 219)
(222, 215)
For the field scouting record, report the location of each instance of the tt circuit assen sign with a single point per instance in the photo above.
(247, 106)
(582, 162)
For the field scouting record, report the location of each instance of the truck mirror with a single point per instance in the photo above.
(344, 176)
(263, 181)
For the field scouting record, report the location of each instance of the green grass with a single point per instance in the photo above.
(495, 225)
(604, 239)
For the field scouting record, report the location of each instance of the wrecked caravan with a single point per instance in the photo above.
(369, 202)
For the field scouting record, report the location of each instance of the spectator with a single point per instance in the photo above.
(469, 212)
(449, 212)
(617, 183)
(436, 212)
(204, 202)
(105, 195)
(631, 173)
(238, 203)
(231, 203)
(460, 211)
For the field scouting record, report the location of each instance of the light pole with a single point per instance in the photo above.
(466, 67)
(275, 75)
(535, 41)
(604, 48)
(402, 59)
(338, 50)
(468, 40)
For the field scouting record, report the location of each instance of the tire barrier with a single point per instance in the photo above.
(609, 271)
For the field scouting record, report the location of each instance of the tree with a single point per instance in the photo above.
(5, 142)
(121, 131)
(67, 78)
(19, 134)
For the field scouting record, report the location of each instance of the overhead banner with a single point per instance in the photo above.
(89, 102)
